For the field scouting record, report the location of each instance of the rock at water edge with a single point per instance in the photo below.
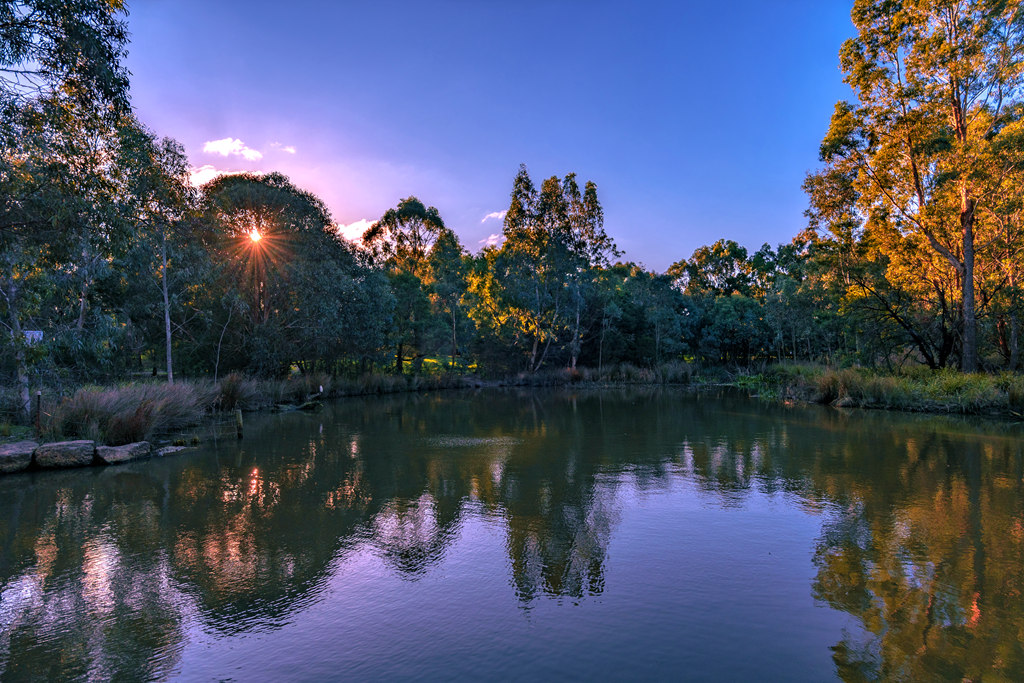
(114, 455)
(15, 457)
(65, 454)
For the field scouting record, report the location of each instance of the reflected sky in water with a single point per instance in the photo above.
(521, 534)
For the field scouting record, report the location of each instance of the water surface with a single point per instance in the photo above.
(517, 535)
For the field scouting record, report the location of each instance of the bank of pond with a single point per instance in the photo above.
(131, 413)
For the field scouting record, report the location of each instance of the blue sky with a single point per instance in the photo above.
(697, 121)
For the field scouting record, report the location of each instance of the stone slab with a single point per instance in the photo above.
(114, 455)
(15, 457)
(65, 454)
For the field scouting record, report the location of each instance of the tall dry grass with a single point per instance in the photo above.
(129, 413)
(942, 391)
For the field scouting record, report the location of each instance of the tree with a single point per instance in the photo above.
(71, 45)
(403, 235)
(304, 289)
(60, 72)
(447, 267)
(62, 218)
(533, 290)
(936, 81)
(401, 242)
(719, 270)
(163, 200)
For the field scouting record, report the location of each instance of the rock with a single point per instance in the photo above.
(167, 450)
(844, 402)
(114, 455)
(15, 457)
(65, 454)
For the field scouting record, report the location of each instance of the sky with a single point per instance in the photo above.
(696, 120)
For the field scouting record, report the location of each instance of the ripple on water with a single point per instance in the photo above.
(471, 441)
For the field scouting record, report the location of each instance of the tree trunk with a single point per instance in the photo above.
(455, 346)
(84, 293)
(167, 308)
(10, 293)
(576, 339)
(220, 341)
(398, 358)
(80, 324)
(970, 349)
(1014, 342)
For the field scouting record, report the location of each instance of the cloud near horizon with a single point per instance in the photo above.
(232, 147)
(199, 176)
(353, 232)
(492, 240)
(500, 215)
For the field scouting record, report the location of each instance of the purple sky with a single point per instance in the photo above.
(696, 120)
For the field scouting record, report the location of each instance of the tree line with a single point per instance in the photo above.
(112, 264)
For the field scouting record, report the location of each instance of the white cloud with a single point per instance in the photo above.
(491, 240)
(290, 149)
(232, 146)
(353, 232)
(204, 174)
(500, 215)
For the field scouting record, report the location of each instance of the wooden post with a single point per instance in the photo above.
(238, 421)
(39, 412)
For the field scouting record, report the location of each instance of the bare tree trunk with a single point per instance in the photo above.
(80, 324)
(970, 350)
(1014, 341)
(167, 308)
(216, 362)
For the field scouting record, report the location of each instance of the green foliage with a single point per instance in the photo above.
(70, 45)
(530, 295)
(403, 236)
(912, 255)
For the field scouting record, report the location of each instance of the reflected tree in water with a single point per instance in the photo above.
(921, 543)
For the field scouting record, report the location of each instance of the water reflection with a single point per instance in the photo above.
(110, 572)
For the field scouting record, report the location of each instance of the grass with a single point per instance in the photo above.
(942, 391)
(121, 415)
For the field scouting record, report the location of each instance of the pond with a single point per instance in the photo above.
(519, 535)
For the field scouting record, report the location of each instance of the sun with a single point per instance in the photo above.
(255, 235)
